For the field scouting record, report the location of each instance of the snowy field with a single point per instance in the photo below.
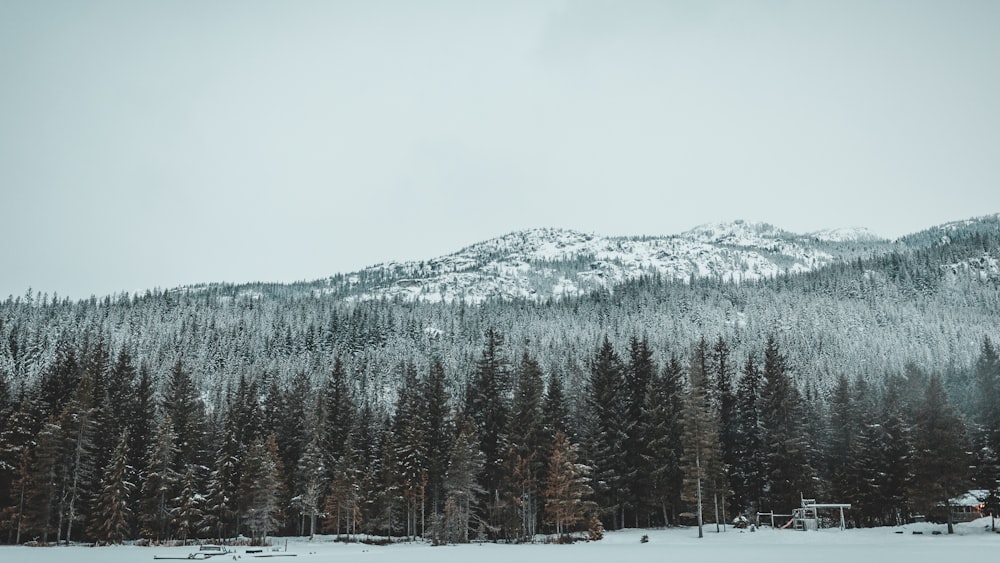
(972, 541)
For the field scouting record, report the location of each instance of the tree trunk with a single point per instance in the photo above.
(697, 464)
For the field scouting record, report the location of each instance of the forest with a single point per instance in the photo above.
(261, 409)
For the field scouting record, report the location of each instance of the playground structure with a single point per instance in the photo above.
(806, 517)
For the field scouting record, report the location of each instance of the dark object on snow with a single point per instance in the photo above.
(644, 539)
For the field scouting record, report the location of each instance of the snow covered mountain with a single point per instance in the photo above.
(551, 263)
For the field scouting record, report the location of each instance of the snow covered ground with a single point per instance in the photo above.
(972, 541)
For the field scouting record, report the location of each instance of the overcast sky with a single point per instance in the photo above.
(153, 144)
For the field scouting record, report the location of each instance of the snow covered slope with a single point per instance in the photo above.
(552, 263)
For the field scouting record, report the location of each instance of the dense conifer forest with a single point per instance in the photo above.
(268, 409)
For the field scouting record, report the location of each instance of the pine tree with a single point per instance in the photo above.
(462, 490)
(159, 486)
(845, 424)
(259, 491)
(43, 491)
(184, 407)
(724, 402)
(311, 479)
(639, 373)
(141, 435)
(17, 442)
(894, 482)
(524, 443)
(664, 432)
(555, 412)
(488, 403)
(608, 433)
(435, 401)
(940, 458)
(750, 472)
(701, 462)
(78, 426)
(186, 515)
(345, 499)
(785, 446)
(219, 510)
(113, 510)
(410, 429)
(988, 394)
(566, 487)
(340, 412)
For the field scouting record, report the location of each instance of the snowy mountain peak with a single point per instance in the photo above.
(854, 234)
(736, 233)
(545, 263)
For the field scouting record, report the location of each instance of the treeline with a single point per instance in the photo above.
(93, 451)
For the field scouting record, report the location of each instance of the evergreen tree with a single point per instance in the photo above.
(410, 429)
(639, 373)
(701, 462)
(43, 490)
(788, 471)
(488, 402)
(78, 423)
(345, 499)
(988, 394)
(894, 482)
(664, 432)
(340, 412)
(609, 432)
(435, 401)
(259, 491)
(219, 510)
(462, 490)
(749, 476)
(845, 424)
(524, 443)
(941, 452)
(112, 508)
(724, 402)
(566, 487)
(183, 406)
(186, 515)
(555, 412)
(311, 479)
(159, 486)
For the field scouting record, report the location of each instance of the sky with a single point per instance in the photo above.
(153, 144)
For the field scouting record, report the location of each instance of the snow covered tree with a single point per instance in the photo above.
(664, 432)
(259, 492)
(340, 411)
(639, 372)
(410, 440)
(487, 401)
(183, 406)
(186, 515)
(345, 500)
(785, 445)
(462, 490)
(524, 442)
(749, 474)
(608, 434)
(219, 511)
(159, 485)
(566, 487)
(701, 463)
(112, 506)
(439, 433)
(940, 454)
(78, 426)
(311, 480)
(44, 491)
(724, 402)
